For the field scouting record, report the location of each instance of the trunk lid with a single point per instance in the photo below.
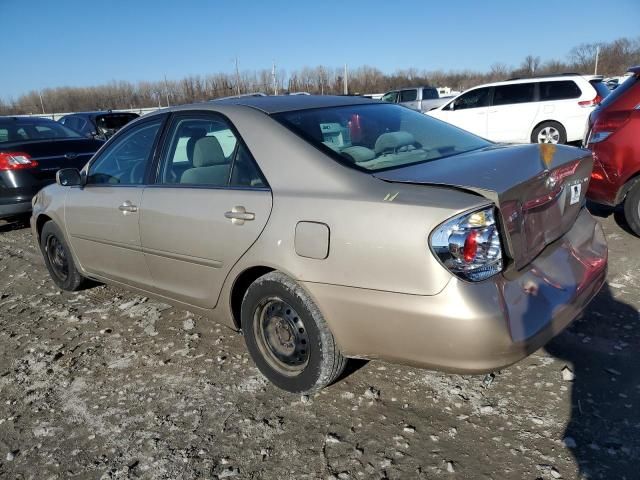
(52, 155)
(539, 189)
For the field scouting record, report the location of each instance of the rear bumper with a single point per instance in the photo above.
(12, 209)
(472, 327)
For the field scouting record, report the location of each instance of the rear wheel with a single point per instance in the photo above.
(287, 335)
(632, 208)
(58, 259)
(549, 132)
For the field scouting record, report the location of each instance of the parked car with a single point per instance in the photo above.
(614, 137)
(101, 125)
(550, 109)
(31, 151)
(421, 99)
(334, 227)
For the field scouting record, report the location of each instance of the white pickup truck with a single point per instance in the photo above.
(421, 99)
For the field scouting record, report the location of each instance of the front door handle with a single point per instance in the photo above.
(238, 215)
(128, 207)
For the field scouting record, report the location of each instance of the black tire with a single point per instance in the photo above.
(275, 306)
(58, 259)
(632, 208)
(560, 138)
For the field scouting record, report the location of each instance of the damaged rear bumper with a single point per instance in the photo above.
(472, 327)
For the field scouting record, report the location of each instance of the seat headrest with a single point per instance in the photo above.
(207, 151)
(393, 141)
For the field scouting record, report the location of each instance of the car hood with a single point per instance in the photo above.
(538, 189)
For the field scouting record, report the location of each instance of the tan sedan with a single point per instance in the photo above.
(333, 227)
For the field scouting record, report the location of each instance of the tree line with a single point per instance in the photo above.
(613, 59)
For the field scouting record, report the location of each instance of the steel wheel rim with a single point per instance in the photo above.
(57, 258)
(281, 336)
(549, 135)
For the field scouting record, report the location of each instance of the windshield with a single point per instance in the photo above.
(33, 130)
(380, 136)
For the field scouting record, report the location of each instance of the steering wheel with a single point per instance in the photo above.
(136, 175)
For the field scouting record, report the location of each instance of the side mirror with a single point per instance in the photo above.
(69, 177)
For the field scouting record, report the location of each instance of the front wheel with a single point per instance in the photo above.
(287, 336)
(632, 208)
(58, 259)
(549, 132)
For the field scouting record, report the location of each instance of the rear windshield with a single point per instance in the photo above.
(379, 137)
(33, 130)
(114, 121)
(602, 90)
(623, 87)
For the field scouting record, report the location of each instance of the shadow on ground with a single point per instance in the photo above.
(14, 223)
(603, 432)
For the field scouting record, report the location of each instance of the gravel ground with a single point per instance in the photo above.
(107, 384)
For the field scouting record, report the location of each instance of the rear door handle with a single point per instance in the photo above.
(128, 207)
(238, 215)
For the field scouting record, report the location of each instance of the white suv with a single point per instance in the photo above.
(550, 109)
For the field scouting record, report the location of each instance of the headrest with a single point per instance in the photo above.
(358, 154)
(393, 141)
(207, 151)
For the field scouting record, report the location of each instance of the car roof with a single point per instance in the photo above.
(288, 103)
(541, 78)
(101, 112)
(23, 119)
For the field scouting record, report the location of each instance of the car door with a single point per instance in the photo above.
(208, 206)
(468, 111)
(512, 113)
(102, 216)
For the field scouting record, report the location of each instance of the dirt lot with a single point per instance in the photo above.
(106, 384)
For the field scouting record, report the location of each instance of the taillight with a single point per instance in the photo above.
(16, 161)
(591, 103)
(606, 124)
(469, 245)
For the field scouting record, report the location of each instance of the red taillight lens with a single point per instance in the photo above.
(606, 124)
(597, 176)
(591, 103)
(16, 161)
(470, 246)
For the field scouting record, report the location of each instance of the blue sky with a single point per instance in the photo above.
(55, 43)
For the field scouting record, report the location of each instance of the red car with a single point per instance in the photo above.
(614, 138)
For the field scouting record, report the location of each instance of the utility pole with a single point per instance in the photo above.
(237, 78)
(166, 90)
(346, 80)
(41, 102)
(595, 71)
(275, 80)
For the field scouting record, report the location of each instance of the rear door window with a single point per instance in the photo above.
(204, 151)
(559, 90)
(473, 99)
(429, 94)
(408, 95)
(514, 93)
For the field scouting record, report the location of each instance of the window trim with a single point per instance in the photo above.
(122, 132)
(159, 158)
